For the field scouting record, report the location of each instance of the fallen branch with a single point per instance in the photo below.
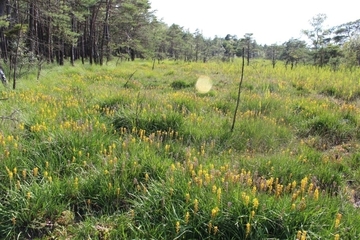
(10, 117)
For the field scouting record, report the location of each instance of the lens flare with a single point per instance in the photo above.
(203, 84)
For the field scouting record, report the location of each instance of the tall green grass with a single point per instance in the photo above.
(127, 152)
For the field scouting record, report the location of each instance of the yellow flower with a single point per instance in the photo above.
(35, 171)
(255, 203)
(187, 197)
(304, 182)
(196, 205)
(337, 237)
(219, 194)
(298, 235)
(316, 194)
(187, 216)
(248, 229)
(177, 226)
(214, 188)
(214, 212)
(303, 235)
(216, 229)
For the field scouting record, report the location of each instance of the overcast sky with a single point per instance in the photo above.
(270, 21)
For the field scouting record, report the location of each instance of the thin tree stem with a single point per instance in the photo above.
(238, 98)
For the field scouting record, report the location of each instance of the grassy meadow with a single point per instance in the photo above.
(127, 152)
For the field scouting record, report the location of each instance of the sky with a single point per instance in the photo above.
(270, 21)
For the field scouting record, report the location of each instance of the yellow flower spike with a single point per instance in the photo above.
(209, 227)
(298, 235)
(249, 182)
(246, 200)
(50, 179)
(28, 195)
(248, 229)
(207, 178)
(76, 183)
(316, 194)
(294, 197)
(302, 204)
(216, 229)
(252, 214)
(253, 191)
(310, 188)
(187, 197)
(167, 148)
(187, 216)
(15, 170)
(177, 227)
(303, 235)
(196, 205)
(255, 203)
(337, 220)
(293, 206)
(35, 171)
(24, 173)
(18, 184)
(11, 175)
(46, 164)
(219, 194)
(13, 220)
(214, 188)
(46, 174)
(279, 189)
(146, 177)
(337, 237)
(293, 185)
(303, 185)
(214, 212)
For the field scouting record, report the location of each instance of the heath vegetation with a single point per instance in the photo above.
(124, 151)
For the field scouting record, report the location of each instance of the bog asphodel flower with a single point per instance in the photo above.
(214, 212)
(196, 205)
(35, 171)
(316, 194)
(248, 229)
(187, 216)
(255, 203)
(177, 226)
(216, 229)
(337, 220)
(187, 197)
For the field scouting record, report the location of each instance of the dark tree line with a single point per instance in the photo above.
(34, 32)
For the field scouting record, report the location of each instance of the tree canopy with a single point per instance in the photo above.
(33, 32)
